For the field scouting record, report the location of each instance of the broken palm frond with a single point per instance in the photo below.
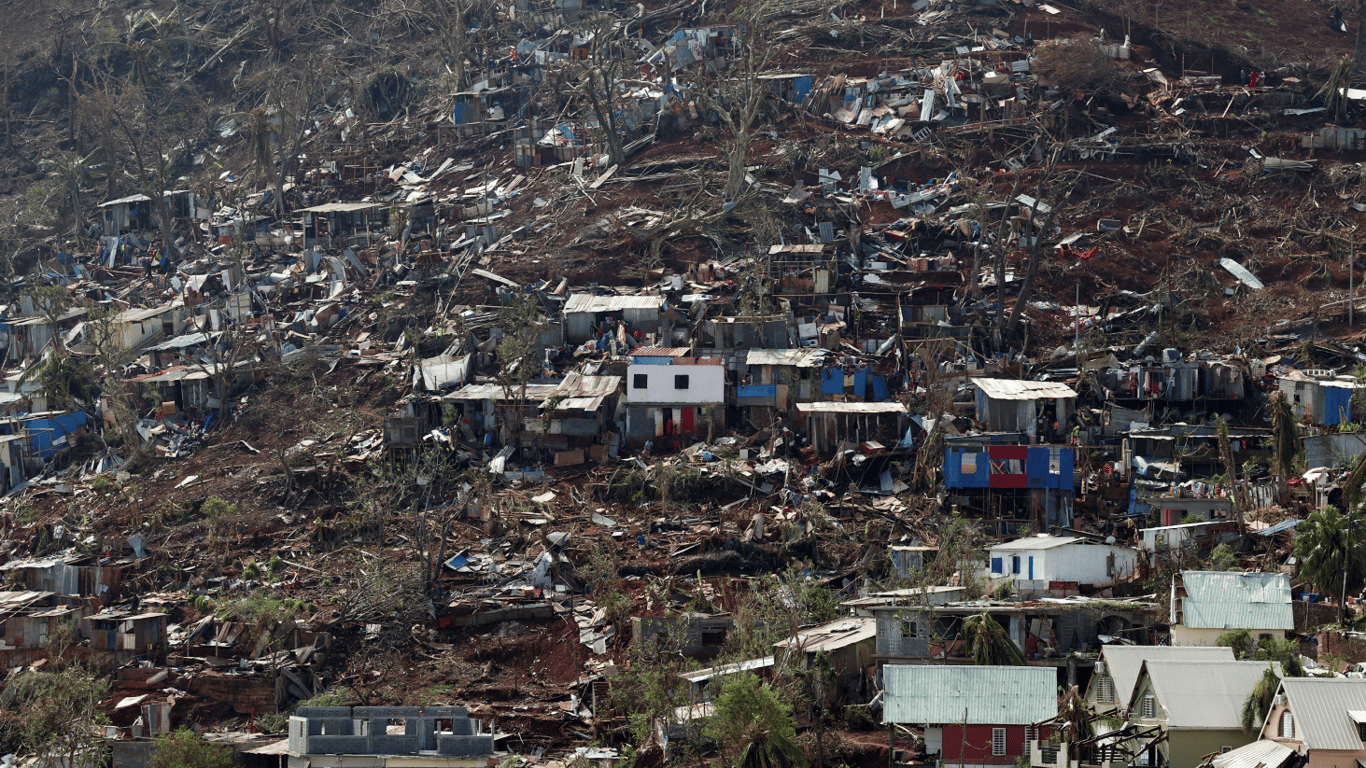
(987, 643)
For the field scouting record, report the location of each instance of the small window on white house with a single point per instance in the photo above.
(1149, 706)
(1287, 725)
(998, 741)
(1105, 689)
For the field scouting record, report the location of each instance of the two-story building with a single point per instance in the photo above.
(671, 398)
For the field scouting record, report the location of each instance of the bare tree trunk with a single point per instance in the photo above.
(1359, 55)
(9, 129)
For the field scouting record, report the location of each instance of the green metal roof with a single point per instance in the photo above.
(941, 695)
(1231, 600)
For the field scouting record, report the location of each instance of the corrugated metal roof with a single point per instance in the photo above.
(851, 407)
(1258, 754)
(799, 358)
(139, 314)
(1204, 694)
(535, 393)
(827, 637)
(580, 385)
(661, 352)
(707, 673)
(138, 198)
(1124, 662)
(1320, 706)
(1229, 600)
(1010, 389)
(183, 341)
(341, 207)
(937, 695)
(1283, 525)
(1040, 542)
(587, 302)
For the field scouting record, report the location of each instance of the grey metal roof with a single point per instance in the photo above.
(1204, 695)
(1320, 706)
(138, 198)
(1258, 754)
(1044, 541)
(851, 407)
(841, 633)
(341, 207)
(936, 695)
(535, 393)
(1231, 600)
(587, 302)
(183, 341)
(1010, 389)
(799, 358)
(1124, 662)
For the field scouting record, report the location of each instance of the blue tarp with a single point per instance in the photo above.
(832, 381)
(756, 390)
(1337, 405)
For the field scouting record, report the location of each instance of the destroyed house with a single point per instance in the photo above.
(80, 576)
(475, 113)
(485, 406)
(1192, 451)
(29, 629)
(1046, 631)
(136, 327)
(590, 318)
(1320, 396)
(1174, 379)
(771, 379)
(577, 413)
(47, 432)
(843, 648)
(186, 349)
(344, 225)
(140, 633)
(739, 333)
(802, 268)
(319, 735)
(1010, 485)
(136, 213)
(833, 427)
(673, 397)
(191, 388)
(689, 46)
(29, 336)
(930, 312)
(972, 715)
(697, 635)
(1037, 408)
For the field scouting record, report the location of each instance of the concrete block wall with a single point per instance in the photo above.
(364, 731)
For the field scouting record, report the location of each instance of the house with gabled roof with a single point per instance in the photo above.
(1208, 604)
(1194, 708)
(1321, 718)
(972, 715)
(1118, 666)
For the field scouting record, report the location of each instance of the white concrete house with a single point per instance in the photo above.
(674, 397)
(1036, 562)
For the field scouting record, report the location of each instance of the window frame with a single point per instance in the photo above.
(1149, 706)
(998, 742)
(681, 378)
(640, 381)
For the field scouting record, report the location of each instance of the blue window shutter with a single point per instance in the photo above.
(1015, 564)
(997, 566)
(1031, 567)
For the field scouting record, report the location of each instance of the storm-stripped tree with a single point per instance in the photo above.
(737, 95)
(601, 76)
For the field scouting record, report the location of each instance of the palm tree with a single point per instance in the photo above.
(1075, 719)
(1332, 552)
(987, 643)
(1258, 701)
(1285, 436)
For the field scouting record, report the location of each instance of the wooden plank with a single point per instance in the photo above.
(607, 174)
(496, 278)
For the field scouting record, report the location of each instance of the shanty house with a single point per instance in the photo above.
(1118, 666)
(972, 715)
(136, 327)
(343, 225)
(483, 406)
(1207, 604)
(1326, 399)
(136, 213)
(1007, 405)
(120, 631)
(674, 396)
(30, 335)
(1031, 484)
(846, 646)
(1321, 718)
(832, 426)
(1195, 706)
(697, 635)
(775, 377)
(1044, 563)
(578, 412)
(589, 318)
(906, 561)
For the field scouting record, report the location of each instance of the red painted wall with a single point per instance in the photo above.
(976, 748)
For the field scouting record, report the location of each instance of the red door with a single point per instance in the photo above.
(687, 421)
